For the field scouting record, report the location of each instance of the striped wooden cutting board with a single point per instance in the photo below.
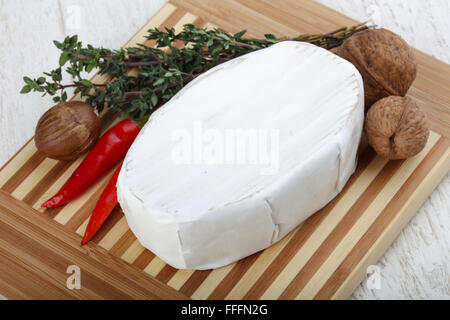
(327, 256)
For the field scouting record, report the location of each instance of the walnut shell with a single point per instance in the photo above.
(386, 63)
(67, 130)
(396, 127)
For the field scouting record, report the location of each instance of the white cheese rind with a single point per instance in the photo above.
(201, 216)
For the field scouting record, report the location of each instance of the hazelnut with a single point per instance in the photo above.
(386, 62)
(396, 127)
(67, 130)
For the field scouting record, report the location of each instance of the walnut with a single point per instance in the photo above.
(67, 130)
(396, 127)
(386, 63)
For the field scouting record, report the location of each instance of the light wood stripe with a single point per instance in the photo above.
(211, 281)
(82, 228)
(264, 260)
(180, 278)
(41, 170)
(237, 271)
(114, 234)
(155, 266)
(324, 229)
(368, 217)
(133, 252)
(126, 240)
(187, 18)
(16, 179)
(35, 193)
(388, 224)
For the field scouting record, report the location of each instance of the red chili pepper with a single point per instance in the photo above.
(103, 208)
(107, 152)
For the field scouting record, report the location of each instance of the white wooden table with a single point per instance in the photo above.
(417, 266)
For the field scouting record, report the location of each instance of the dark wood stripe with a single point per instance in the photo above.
(52, 213)
(199, 22)
(113, 218)
(194, 281)
(107, 120)
(125, 241)
(339, 232)
(16, 179)
(47, 180)
(144, 259)
(233, 277)
(303, 234)
(383, 220)
(166, 273)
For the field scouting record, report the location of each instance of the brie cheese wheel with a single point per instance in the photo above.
(243, 154)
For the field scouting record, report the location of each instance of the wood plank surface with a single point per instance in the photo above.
(326, 257)
(35, 252)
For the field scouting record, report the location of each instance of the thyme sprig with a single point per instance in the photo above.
(161, 72)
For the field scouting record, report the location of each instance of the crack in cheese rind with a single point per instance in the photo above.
(206, 216)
